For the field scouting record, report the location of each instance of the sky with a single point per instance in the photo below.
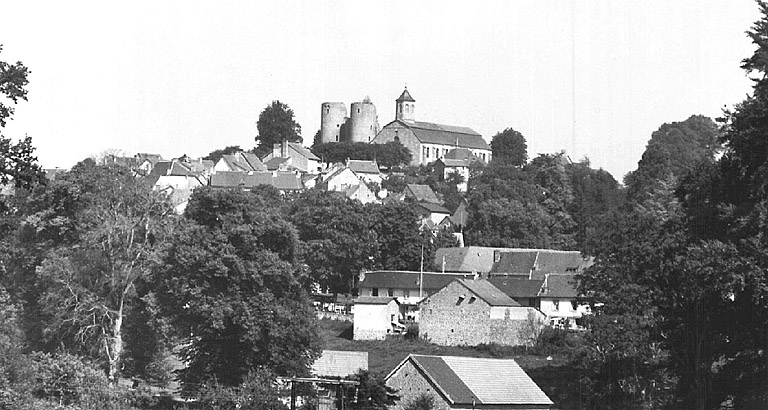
(593, 78)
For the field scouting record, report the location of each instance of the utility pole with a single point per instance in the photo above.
(421, 274)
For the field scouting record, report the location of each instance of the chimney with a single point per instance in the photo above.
(284, 149)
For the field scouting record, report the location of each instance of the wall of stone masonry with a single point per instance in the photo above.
(410, 382)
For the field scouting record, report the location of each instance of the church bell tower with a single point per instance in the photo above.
(405, 107)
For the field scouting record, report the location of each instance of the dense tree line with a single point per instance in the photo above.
(391, 154)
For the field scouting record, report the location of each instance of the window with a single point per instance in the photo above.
(375, 292)
(557, 304)
(426, 152)
(473, 299)
(397, 138)
(573, 304)
(407, 293)
(390, 292)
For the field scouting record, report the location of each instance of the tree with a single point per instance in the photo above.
(17, 161)
(13, 80)
(421, 402)
(89, 277)
(509, 146)
(549, 173)
(388, 155)
(216, 155)
(372, 392)
(275, 125)
(230, 287)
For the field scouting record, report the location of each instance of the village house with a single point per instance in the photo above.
(376, 317)
(420, 193)
(284, 182)
(239, 162)
(289, 156)
(457, 161)
(343, 179)
(427, 141)
(470, 312)
(367, 171)
(464, 383)
(407, 286)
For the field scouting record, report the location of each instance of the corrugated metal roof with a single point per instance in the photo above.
(487, 292)
(339, 363)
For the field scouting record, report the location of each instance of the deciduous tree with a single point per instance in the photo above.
(275, 125)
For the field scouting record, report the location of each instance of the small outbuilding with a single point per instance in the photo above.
(376, 317)
(466, 383)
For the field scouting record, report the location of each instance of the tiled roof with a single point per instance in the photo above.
(561, 262)
(515, 262)
(335, 363)
(454, 163)
(226, 179)
(421, 193)
(517, 287)
(286, 181)
(466, 259)
(559, 286)
(460, 137)
(408, 280)
(363, 167)
(473, 381)
(275, 163)
(487, 292)
(461, 154)
(433, 208)
(373, 300)
(161, 168)
(303, 151)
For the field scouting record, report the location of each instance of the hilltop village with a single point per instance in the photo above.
(409, 266)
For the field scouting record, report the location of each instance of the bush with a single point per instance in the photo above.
(412, 331)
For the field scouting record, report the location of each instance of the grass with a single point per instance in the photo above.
(554, 376)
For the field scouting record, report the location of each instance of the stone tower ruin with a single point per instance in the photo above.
(361, 125)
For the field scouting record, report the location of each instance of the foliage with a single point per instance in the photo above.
(549, 173)
(216, 155)
(372, 393)
(13, 82)
(421, 402)
(387, 155)
(258, 391)
(275, 125)
(229, 285)
(509, 147)
(92, 271)
(338, 238)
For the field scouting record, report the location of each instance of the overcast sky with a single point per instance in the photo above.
(189, 77)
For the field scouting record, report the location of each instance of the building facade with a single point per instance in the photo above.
(361, 125)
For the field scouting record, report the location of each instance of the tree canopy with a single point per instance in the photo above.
(510, 147)
(391, 154)
(276, 124)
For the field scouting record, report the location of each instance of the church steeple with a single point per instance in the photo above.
(405, 107)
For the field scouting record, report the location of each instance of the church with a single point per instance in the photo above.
(428, 141)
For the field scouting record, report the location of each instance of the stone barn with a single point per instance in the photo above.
(466, 383)
(471, 312)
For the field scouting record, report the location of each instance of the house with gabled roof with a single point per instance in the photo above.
(536, 263)
(292, 156)
(367, 171)
(376, 317)
(466, 383)
(421, 193)
(428, 141)
(240, 161)
(284, 182)
(469, 312)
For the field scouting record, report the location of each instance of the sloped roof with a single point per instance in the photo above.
(454, 163)
(559, 286)
(461, 154)
(363, 167)
(226, 179)
(303, 151)
(517, 287)
(472, 381)
(466, 259)
(373, 300)
(515, 263)
(421, 193)
(405, 96)
(52, 173)
(274, 163)
(336, 363)
(286, 181)
(460, 137)
(161, 168)
(562, 262)
(487, 292)
(433, 208)
(408, 280)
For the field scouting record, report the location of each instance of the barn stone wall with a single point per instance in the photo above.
(410, 383)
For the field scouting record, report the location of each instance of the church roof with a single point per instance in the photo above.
(432, 133)
(405, 96)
